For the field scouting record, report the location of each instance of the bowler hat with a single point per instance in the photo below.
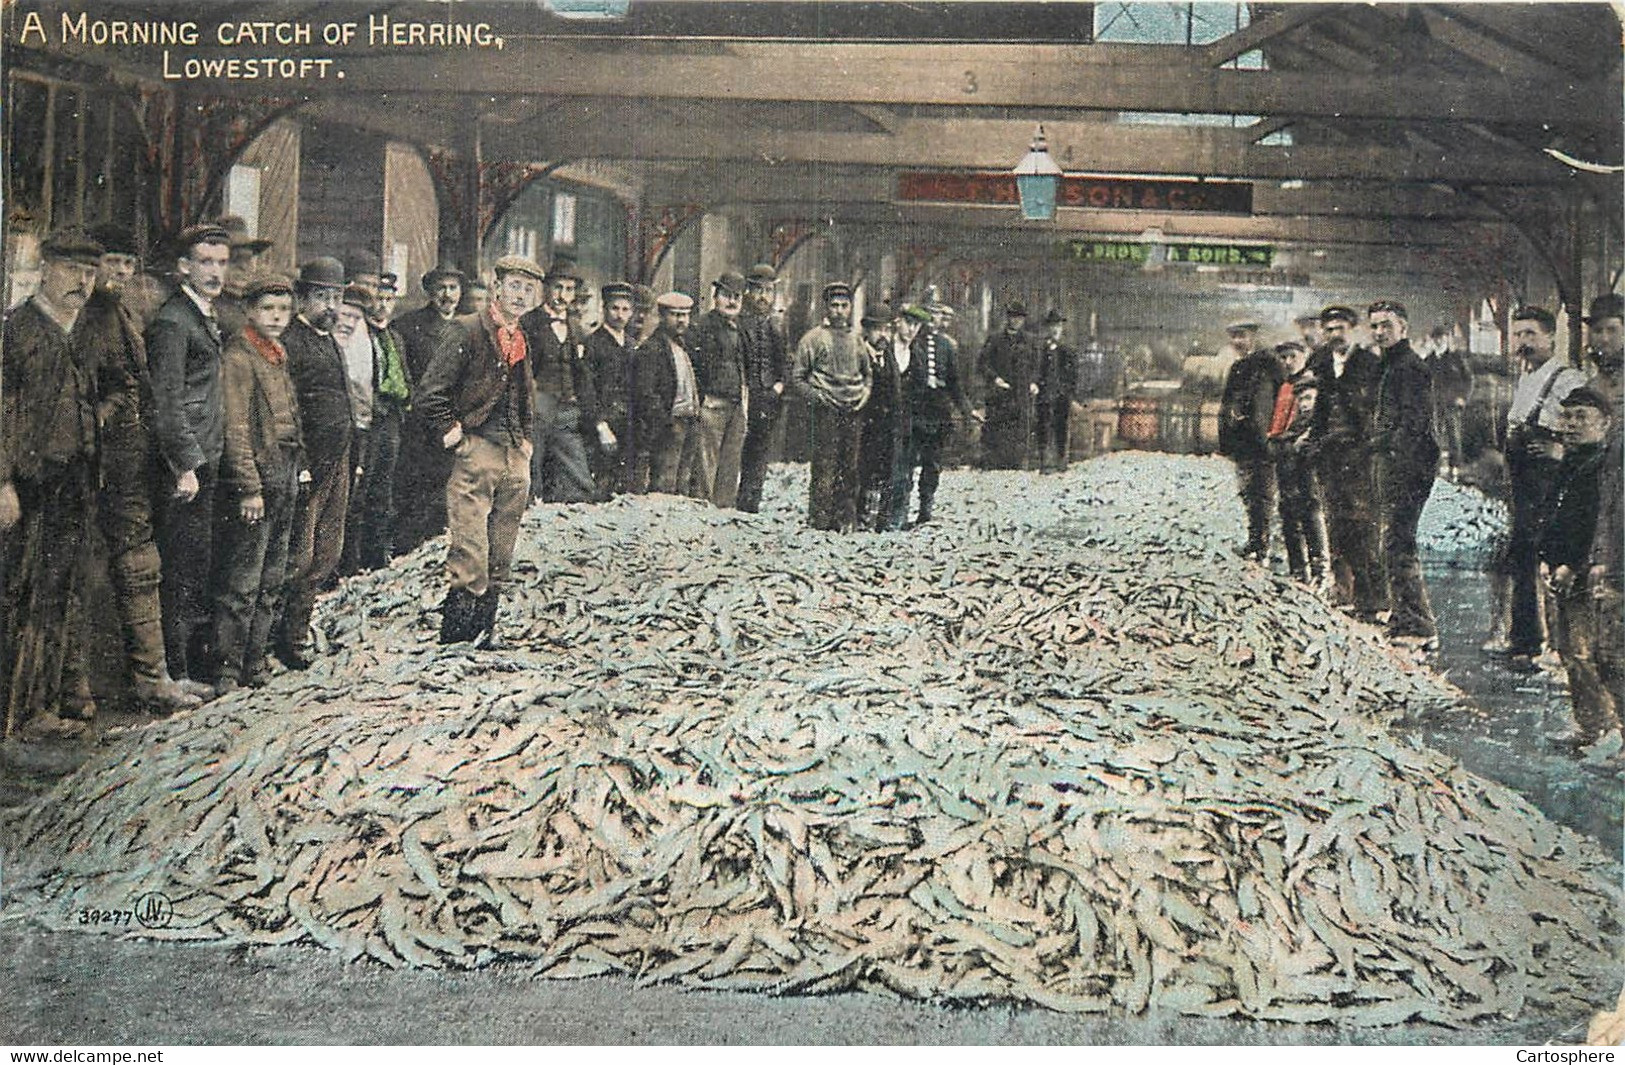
(1054, 317)
(731, 283)
(563, 269)
(878, 314)
(761, 275)
(72, 245)
(837, 290)
(324, 271)
(1611, 305)
(518, 264)
(114, 239)
(432, 278)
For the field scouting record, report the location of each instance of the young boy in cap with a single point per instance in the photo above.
(1303, 526)
(47, 484)
(259, 482)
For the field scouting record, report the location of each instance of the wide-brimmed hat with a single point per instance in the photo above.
(236, 228)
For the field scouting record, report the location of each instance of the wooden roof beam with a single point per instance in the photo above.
(1257, 34)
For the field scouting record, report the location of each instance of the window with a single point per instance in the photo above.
(564, 219)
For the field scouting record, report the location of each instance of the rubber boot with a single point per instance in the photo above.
(485, 620)
(459, 617)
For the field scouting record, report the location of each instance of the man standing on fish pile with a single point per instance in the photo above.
(1245, 410)
(1009, 366)
(665, 408)
(1057, 377)
(831, 371)
(878, 450)
(476, 398)
(1303, 527)
(905, 328)
(420, 475)
(767, 364)
(716, 345)
(934, 394)
(327, 426)
(47, 484)
(1340, 442)
(560, 470)
(1533, 452)
(1407, 457)
(128, 471)
(609, 351)
(1565, 548)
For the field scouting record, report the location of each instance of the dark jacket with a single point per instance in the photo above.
(1057, 371)
(111, 344)
(421, 332)
(934, 405)
(323, 392)
(654, 389)
(1247, 404)
(183, 358)
(1608, 543)
(1013, 357)
(47, 398)
(610, 364)
(717, 348)
(767, 356)
(262, 419)
(1343, 408)
(466, 378)
(1575, 498)
(559, 368)
(1402, 421)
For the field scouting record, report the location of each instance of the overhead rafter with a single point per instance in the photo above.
(1484, 48)
(1261, 32)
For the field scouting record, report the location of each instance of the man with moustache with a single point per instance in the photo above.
(665, 408)
(183, 355)
(1339, 442)
(905, 327)
(1056, 377)
(476, 396)
(877, 452)
(1534, 450)
(832, 372)
(717, 348)
(47, 485)
(934, 396)
(766, 366)
(610, 349)
(327, 427)
(1407, 462)
(1605, 341)
(421, 471)
(361, 359)
(560, 469)
(111, 342)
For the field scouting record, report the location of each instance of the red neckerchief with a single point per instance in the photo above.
(510, 338)
(273, 352)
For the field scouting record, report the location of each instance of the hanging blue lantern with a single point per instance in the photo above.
(1038, 180)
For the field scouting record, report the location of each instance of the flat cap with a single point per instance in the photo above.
(761, 274)
(388, 284)
(1288, 347)
(1054, 317)
(443, 270)
(1393, 307)
(878, 314)
(944, 309)
(1611, 305)
(616, 290)
(202, 233)
(267, 285)
(237, 228)
(837, 290)
(1242, 325)
(322, 272)
(1306, 319)
(518, 264)
(1017, 309)
(675, 301)
(1586, 396)
(358, 295)
(914, 312)
(732, 283)
(1531, 313)
(1338, 313)
(72, 245)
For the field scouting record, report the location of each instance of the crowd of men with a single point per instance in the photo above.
(241, 439)
(1344, 441)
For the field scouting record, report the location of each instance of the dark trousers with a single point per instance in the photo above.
(42, 623)
(316, 547)
(186, 590)
(1054, 432)
(1255, 480)
(370, 532)
(1530, 478)
(837, 436)
(1575, 636)
(254, 569)
(902, 479)
(664, 457)
(125, 513)
(877, 462)
(1303, 525)
(1008, 428)
(1404, 486)
(762, 421)
(560, 471)
(419, 496)
(1349, 497)
(925, 439)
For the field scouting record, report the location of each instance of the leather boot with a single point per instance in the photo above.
(459, 617)
(924, 517)
(162, 695)
(485, 620)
